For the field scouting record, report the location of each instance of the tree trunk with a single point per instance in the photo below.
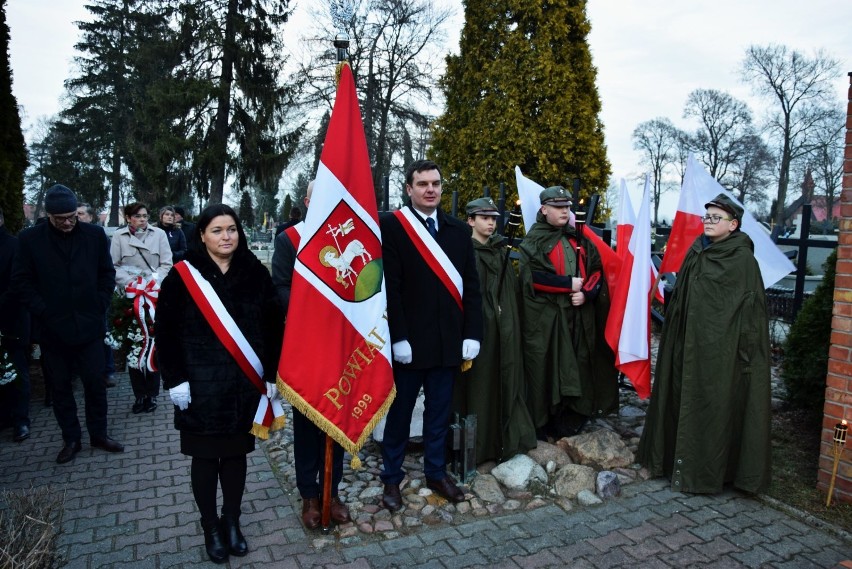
(221, 131)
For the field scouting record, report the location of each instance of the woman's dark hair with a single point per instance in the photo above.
(133, 208)
(211, 212)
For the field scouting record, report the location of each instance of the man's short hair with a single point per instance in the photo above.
(419, 166)
(89, 209)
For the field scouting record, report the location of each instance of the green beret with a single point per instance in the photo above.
(556, 196)
(725, 203)
(482, 206)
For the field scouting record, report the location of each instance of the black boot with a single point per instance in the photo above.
(149, 404)
(138, 405)
(217, 551)
(231, 531)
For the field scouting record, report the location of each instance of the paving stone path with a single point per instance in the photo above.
(136, 510)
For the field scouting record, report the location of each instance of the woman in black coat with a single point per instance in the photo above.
(215, 402)
(177, 240)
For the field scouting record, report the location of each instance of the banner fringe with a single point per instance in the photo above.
(329, 428)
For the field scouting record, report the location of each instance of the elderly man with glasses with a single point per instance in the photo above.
(64, 276)
(709, 415)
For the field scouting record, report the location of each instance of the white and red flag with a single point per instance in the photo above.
(699, 187)
(336, 361)
(631, 294)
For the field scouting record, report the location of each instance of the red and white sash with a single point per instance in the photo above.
(270, 413)
(432, 253)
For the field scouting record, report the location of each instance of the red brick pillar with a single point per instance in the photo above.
(838, 391)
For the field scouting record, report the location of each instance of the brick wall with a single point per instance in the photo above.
(838, 391)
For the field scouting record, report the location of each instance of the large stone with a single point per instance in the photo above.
(601, 449)
(520, 473)
(488, 489)
(572, 479)
(546, 452)
(587, 498)
(608, 484)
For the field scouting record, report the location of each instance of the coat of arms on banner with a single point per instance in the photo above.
(347, 256)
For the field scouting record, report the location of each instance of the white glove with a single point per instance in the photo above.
(470, 349)
(272, 391)
(180, 395)
(402, 352)
(576, 284)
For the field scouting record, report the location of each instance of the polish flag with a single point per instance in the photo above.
(699, 187)
(630, 298)
(336, 359)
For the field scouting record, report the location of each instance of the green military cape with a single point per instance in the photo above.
(493, 389)
(709, 416)
(560, 377)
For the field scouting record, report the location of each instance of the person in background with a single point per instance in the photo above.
(494, 389)
(308, 439)
(15, 337)
(177, 240)
(708, 421)
(215, 402)
(85, 213)
(435, 324)
(64, 276)
(569, 368)
(295, 217)
(184, 224)
(140, 250)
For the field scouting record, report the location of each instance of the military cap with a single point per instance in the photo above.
(725, 203)
(556, 196)
(482, 206)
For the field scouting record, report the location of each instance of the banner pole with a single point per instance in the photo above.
(326, 485)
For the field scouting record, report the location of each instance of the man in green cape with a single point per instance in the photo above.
(569, 366)
(493, 389)
(709, 417)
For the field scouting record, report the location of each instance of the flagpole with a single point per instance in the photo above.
(341, 43)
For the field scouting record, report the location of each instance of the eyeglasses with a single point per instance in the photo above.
(714, 219)
(60, 219)
(139, 216)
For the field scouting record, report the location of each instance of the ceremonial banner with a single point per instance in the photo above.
(699, 187)
(336, 360)
(630, 301)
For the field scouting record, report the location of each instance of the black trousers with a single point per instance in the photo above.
(309, 455)
(206, 475)
(144, 383)
(88, 360)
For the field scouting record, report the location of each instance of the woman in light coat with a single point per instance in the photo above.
(139, 249)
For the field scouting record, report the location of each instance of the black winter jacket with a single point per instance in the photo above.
(223, 399)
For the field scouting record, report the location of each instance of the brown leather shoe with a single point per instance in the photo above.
(446, 488)
(68, 452)
(311, 515)
(107, 444)
(391, 498)
(339, 512)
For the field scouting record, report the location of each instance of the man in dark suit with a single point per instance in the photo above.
(185, 225)
(435, 319)
(15, 332)
(63, 274)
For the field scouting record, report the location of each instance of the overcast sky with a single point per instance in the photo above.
(650, 54)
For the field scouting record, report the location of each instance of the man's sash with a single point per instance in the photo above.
(270, 413)
(294, 234)
(432, 253)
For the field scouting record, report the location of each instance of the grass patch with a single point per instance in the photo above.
(795, 459)
(29, 526)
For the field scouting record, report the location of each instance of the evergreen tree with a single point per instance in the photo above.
(246, 211)
(13, 150)
(521, 92)
(284, 214)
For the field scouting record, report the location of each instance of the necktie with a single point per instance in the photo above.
(430, 225)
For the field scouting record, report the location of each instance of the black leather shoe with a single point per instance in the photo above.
(107, 444)
(22, 433)
(391, 498)
(214, 544)
(109, 380)
(233, 536)
(446, 488)
(149, 405)
(68, 452)
(138, 405)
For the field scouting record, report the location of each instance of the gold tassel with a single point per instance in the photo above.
(466, 365)
(355, 463)
(278, 423)
(259, 431)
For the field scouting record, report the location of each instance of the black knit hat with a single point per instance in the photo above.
(60, 199)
